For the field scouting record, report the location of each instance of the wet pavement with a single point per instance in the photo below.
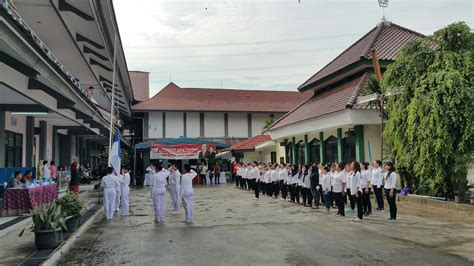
(232, 228)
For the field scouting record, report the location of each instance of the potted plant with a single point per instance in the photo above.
(71, 206)
(47, 223)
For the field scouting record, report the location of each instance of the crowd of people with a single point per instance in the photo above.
(332, 185)
(116, 191)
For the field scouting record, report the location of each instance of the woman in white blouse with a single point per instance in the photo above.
(326, 186)
(366, 188)
(391, 190)
(377, 180)
(187, 192)
(356, 189)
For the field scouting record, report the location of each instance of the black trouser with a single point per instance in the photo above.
(283, 189)
(269, 190)
(391, 203)
(308, 197)
(316, 196)
(321, 194)
(203, 177)
(255, 188)
(292, 192)
(237, 180)
(297, 193)
(366, 201)
(275, 189)
(216, 179)
(339, 202)
(351, 199)
(243, 183)
(358, 201)
(378, 197)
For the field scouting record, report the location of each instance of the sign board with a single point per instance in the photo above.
(183, 151)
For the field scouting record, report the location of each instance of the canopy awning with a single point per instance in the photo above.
(226, 155)
(180, 140)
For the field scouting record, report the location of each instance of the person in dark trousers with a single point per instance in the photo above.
(217, 174)
(348, 172)
(366, 188)
(339, 187)
(391, 190)
(377, 180)
(75, 180)
(315, 185)
(355, 189)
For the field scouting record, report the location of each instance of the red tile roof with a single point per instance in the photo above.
(386, 38)
(174, 98)
(249, 144)
(334, 100)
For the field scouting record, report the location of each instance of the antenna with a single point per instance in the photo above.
(383, 4)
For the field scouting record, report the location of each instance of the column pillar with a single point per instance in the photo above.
(339, 145)
(3, 139)
(42, 140)
(293, 150)
(322, 147)
(29, 137)
(54, 147)
(359, 131)
(306, 150)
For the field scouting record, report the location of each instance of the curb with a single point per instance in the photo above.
(57, 254)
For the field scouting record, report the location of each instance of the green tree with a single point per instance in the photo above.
(268, 122)
(431, 109)
(104, 157)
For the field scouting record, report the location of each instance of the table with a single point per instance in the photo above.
(20, 200)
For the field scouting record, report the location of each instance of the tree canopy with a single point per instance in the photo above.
(431, 108)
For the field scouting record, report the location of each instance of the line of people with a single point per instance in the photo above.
(332, 184)
(116, 192)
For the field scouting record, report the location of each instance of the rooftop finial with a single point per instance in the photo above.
(383, 4)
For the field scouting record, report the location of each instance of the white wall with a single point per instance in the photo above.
(192, 125)
(214, 125)
(174, 124)
(238, 125)
(155, 122)
(258, 121)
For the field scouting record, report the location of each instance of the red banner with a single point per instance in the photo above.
(183, 151)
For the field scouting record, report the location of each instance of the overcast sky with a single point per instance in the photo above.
(255, 44)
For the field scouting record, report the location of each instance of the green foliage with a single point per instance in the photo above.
(430, 128)
(104, 157)
(372, 86)
(71, 205)
(268, 122)
(47, 217)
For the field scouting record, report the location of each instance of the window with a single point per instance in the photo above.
(314, 151)
(300, 153)
(349, 147)
(273, 157)
(13, 149)
(331, 149)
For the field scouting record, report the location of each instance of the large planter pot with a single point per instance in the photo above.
(47, 239)
(73, 223)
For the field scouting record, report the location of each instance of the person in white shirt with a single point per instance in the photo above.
(125, 189)
(187, 192)
(339, 187)
(376, 180)
(365, 185)
(348, 172)
(274, 179)
(292, 181)
(118, 193)
(150, 170)
(356, 189)
(245, 177)
(158, 190)
(109, 183)
(306, 188)
(46, 171)
(267, 181)
(202, 172)
(326, 186)
(391, 190)
(173, 188)
(282, 176)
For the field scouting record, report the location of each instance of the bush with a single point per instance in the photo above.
(71, 205)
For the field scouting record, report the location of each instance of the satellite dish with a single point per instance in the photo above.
(383, 3)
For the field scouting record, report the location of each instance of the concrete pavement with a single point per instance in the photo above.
(232, 228)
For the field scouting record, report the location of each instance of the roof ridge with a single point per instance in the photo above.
(339, 55)
(227, 89)
(352, 100)
(368, 48)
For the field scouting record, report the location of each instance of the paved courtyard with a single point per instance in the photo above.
(232, 228)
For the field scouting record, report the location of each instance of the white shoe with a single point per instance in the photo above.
(358, 220)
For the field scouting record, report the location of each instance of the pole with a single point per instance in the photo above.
(378, 76)
(112, 107)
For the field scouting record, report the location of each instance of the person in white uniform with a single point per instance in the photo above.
(174, 188)
(46, 171)
(118, 192)
(158, 191)
(109, 183)
(187, 193)
(150, 170)
(125, 189)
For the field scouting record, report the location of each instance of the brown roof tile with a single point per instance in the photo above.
(334, 100)
(249, 144)
(386, 38)
(174, 98)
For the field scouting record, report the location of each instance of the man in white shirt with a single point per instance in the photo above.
(109, 183)
(339, 187)
(125, 189)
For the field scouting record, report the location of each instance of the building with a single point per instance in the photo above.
(220, 115)
(246, 151)
(339, 122)
(56, 81)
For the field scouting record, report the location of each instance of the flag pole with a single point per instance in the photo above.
(112, 107)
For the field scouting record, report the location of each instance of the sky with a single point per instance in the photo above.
(256, 44)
